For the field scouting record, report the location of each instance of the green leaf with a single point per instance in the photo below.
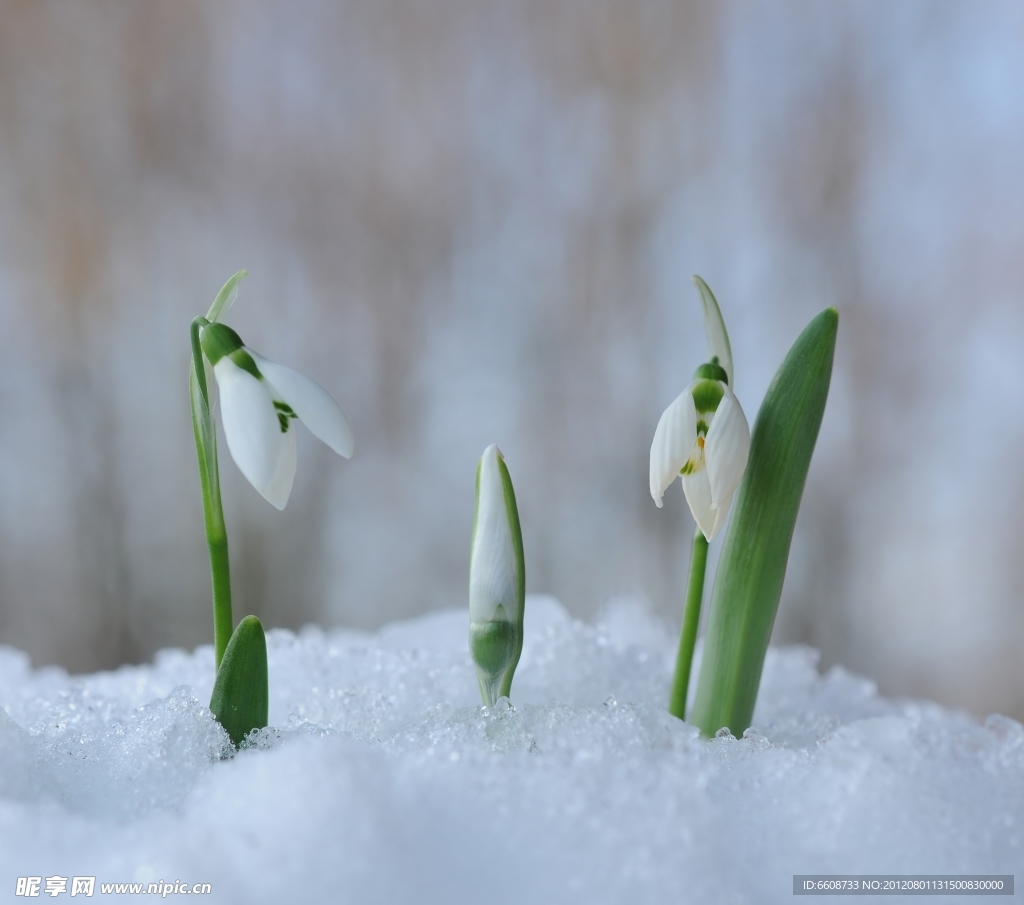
(714, 328)
(226, 297)
(752, 565)
(240, 694)
(517, 544)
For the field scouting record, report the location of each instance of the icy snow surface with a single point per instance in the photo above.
(384, 780)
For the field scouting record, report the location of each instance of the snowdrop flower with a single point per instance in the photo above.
(497, 580)
(703, 435)
(260, 401)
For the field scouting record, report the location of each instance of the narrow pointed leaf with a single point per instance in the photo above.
(718, 336)
(226, 297)
(714, 328)
(752, 566)
(240, 699)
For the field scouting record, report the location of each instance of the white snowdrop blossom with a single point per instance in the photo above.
(703, 436)
(260, 401)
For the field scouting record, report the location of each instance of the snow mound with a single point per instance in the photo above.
(382, 778)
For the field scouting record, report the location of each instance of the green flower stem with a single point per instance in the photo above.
(691, 621)
(752, 566)
(213, 512)
(240, 693)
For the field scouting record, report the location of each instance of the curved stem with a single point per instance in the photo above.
(213, 512)
(691, 622)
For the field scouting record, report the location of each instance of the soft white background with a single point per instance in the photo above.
(475, 223)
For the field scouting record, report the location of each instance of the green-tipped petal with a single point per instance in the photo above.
(311, 402)
(714, 328)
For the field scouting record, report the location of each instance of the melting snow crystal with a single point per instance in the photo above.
(383, 780)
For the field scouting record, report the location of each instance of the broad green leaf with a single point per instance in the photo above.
(752, 565)
(240, 694)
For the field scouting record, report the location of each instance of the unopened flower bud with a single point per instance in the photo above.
(497, 579)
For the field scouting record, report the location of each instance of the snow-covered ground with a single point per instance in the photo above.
(384, 780)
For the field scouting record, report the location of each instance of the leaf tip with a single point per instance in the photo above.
(826, 322)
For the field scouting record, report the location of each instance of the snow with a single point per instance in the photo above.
(384, 780)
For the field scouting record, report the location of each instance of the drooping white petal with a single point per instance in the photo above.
(493, 566)
(251, 425)
(311, 402)
(698, 495)
(714, 328)
(726, 449)
(673, 442)
(279, 488)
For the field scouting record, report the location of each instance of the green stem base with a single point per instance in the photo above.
(691, 622)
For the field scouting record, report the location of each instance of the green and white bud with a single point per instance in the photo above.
(497, 579)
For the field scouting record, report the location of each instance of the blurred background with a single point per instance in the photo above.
(475, 223)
